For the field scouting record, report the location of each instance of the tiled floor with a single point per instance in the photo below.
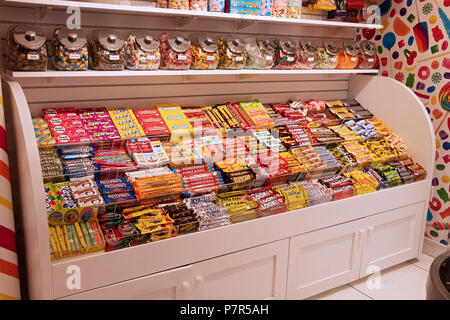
(405, 281)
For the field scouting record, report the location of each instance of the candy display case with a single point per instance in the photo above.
(278, 261)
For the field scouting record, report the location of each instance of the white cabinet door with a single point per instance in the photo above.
(168, 285)
(392, 237)
(256, 273)
(324, 259)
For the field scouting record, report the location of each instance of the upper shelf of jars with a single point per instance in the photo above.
(174, 13)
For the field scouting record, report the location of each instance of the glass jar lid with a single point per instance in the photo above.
(236, 45)
(368, 48)
(351, 48)
(266, 45)
(178, 42)
(110, 40)
(28, 36)
(208, 43)
(72, 39)
(146, 41)
(330, 47)
(307, 46)
(288, 46)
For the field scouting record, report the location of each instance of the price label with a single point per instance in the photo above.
(290, 59)
(151, 57)
(239, 58)
(182, 57)
(74, 56)
(268, 58)
(353, 59)
(210, 58)
(310, 59)
(370, 60)
(31, 56)
(114, 57)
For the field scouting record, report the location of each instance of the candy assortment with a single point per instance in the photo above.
(232, 53)
(205, 53)
(260, 54)
(348, 56)
(107, 51)
(175, 52)
(142, 52)
(133, 188)
(70, 50)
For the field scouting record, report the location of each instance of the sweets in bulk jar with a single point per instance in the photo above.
(205, 52)
(142, 51)
(367, 55)
(162, 4)
(107, 51)
(70, 50)
(294, 9)
(232, 53)
(216, 5)
(198, 5)
(285, 51)
(279, 8)
(348, 55)
(260, 53)
(179, 4)
(326, 55)
(175, 52)
(26, 49)
(306, 55)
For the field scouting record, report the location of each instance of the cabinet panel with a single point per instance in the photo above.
(169, 285)
(323, 259)
(392, 237)
(256, 273)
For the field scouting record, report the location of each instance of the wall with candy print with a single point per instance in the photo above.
(414, 49)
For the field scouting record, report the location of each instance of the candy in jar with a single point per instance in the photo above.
(179, 4)
(162, 4)
(107, 51)
(26, 48)
(198, 5)
(306, 55)
(285, 51)
(326, 55)
(294, 9)
(216, 5)
(279, 8)
(367, 55)
(348, 56)
(71, 51)
(205, 52)
(142, 51)
(175, 52)
(232, 53)
(260, 53)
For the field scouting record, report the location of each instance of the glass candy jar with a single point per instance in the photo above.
(232, 53)
(285, 51)
(175, 52)
(142, 51)
(327, 55)
(205, 52)
(367, 55)
(306, 55)
(348, 56)
(70, 50)
(260, 54)
(107, 51)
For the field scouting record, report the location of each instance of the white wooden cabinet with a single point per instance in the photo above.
(175, 284)
(391, 237)
(256, 273)
(323, 259)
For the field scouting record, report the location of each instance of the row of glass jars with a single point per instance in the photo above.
(143, 51)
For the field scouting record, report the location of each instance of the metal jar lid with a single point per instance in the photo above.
(72, 39)
(236, 45)
(28, 36)
(330, 47)
(208, 43)
(307, 46)
(178, 42)
(288, 46)
(351, 48)
(368, 48)
(146, 41)
(110, 40)
(266, 44)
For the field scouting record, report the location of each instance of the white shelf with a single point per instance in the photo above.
(147, 10)
(129, 73)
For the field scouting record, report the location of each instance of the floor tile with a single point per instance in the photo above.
(405, 281)
(423, 261)
(341, 293)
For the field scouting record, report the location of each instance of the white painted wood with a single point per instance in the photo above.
(256, 273)
(103, 7)
(175, 284)
(324, 259)
(392, 237)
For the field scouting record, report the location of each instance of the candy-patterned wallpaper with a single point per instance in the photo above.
(413, 46)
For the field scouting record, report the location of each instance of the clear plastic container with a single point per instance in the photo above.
(179, 4)
(326, 55)
(279, 8)
(306, 55)
(175, 52)
(26, 49)
(348, 56)
(285, 54)
(367, 55)
(232, 53)
(70, 50)
(198, 5)
(162, 4)
(260, 53)
(294, 9)
(205, 52)
(142, 51)
(107, 51)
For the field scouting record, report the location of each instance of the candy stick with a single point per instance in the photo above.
(85, 232)
(91, 234)
(80, 235)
